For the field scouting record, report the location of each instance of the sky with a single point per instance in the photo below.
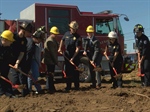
(138, 12)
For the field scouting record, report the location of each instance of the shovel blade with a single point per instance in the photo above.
(80, 69)
(139, 74)
(118, 76)
(97, 69)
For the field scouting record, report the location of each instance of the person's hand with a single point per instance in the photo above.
(92, 62)
(105, 53)
(16, 65)
(60, 51)
(71, 60)
(112, 64)
(84, 53)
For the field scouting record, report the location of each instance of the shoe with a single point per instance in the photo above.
(93, 86)
(142, 84)
(49, 92)
(66, 90)
(98, 86)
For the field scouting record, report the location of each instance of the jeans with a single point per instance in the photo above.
(35, 75)
(98, 78)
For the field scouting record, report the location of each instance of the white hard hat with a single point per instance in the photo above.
(112, 34)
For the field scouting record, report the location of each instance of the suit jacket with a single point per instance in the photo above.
(94, 49)
(50, 51)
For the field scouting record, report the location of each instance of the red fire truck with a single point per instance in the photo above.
(60, 15)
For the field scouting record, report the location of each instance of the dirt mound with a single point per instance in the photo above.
(131, 98)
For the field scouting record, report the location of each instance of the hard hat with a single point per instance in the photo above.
(112, 34)
(74, 25)
(26, 26)
(137, 28)
(7, 34)
(39, 35)
(90, 29)
(54, 30)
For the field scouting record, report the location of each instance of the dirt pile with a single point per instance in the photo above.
(131, 98)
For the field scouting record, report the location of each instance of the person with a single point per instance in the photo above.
(72, 42)
(34, 57)
(19, 57)
(115, 59)
(50, 58)
(143, 47)
(94, 55)
(5, 57)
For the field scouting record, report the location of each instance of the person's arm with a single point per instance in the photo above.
(19, 59)
(115, 56)
(60, 47)
(85, 45)
(106, 49)
(96, 50)
(76, 52)
(145, 49)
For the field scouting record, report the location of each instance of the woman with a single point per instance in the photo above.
(116, 59)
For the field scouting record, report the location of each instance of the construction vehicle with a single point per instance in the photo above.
(51, 15)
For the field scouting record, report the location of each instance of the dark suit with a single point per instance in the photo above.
(94, 54)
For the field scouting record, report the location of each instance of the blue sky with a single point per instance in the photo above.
(138, 11)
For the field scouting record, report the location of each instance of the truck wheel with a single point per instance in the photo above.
(85, 75)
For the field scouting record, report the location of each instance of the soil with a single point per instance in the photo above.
(131, 98)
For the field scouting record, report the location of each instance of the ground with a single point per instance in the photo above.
(131, 98)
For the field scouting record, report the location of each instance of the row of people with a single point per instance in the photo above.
(25, 53)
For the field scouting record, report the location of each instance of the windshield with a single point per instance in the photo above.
(104, 26)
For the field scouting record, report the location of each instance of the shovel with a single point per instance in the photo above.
(116, 74)
(95, 67)
(17, 69)
(64, 73)
(77, 68)
(13, 86)
(139, 68)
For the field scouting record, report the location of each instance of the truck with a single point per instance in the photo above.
(50, 15)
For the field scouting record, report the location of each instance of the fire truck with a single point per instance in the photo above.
(50, 15)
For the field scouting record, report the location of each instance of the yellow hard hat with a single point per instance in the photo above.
(54, 30)
(90, 29)
(74, 25)
(7, 34)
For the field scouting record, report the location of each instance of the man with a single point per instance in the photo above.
(72, 42)
(19, 55)
(94, 55)
(34, 58)
(51, 58)
(5, 57)
(143, 45)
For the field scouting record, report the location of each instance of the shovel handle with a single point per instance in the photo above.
(69, 61)
(14, 86)
(111, 64)
(23, 73)
(64, 73)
